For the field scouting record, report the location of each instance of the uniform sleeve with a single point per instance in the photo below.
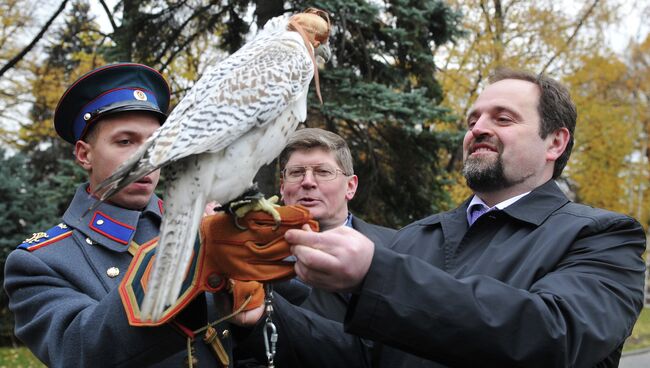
(575, 313)
(66, 328)
(305, 339)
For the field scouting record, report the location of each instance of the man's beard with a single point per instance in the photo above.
(483, 175)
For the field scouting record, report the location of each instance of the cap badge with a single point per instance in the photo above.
(139, 95)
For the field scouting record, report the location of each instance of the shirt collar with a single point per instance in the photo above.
(500, 206)
(348, 220)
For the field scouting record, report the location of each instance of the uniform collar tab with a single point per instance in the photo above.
(111, 228)
(109, 225)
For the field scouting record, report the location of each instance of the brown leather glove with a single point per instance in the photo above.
(242, 290)
(225, 253)
(254, 254)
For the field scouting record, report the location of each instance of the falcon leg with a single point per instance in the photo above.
(253, 200)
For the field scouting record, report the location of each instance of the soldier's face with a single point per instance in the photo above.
(327, 201)
(116, 138)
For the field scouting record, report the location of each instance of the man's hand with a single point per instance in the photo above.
(249, 317)
(334, 260)
(253, 311)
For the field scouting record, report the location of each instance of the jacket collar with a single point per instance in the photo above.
(533, 208)
(537, 206)
(108, 225)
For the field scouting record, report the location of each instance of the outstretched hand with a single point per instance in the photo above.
(334, 260)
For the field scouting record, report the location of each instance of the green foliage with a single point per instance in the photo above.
(18, 357)
(640, 337)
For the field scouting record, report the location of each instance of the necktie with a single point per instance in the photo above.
(476, 211)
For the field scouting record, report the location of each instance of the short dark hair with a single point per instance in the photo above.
(556, 109)
(308, 138)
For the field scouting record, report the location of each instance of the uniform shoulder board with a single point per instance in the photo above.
(42, 239)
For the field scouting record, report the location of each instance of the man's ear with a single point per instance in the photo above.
(350, 191)
(557, 142)
(83, 154)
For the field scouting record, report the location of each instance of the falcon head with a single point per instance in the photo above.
(314, 25)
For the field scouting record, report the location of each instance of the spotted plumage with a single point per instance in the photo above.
(234, 120)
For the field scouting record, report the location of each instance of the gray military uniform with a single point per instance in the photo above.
(62, 287)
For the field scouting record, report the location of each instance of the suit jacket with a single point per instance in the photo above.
(62, 287)
(318, 318)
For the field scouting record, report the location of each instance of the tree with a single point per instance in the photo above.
(29, 203)
(379, 82)
(600, 165)
(638, 83)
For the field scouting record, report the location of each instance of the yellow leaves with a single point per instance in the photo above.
(47, 86)
(603, 158)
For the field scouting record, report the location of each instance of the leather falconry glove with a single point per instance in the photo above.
(225, 252)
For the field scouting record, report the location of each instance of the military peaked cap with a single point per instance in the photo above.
(107, 90)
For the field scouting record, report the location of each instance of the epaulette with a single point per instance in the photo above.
(42, 239)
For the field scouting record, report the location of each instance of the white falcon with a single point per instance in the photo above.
(235, 119)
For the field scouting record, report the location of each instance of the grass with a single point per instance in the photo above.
(19, 358)
(23, 358)
(640, 337)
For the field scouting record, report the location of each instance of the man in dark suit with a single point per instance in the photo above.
(317, 172)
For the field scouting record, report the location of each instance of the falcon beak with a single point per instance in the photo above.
(323, 54)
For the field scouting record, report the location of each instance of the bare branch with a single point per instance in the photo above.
(31, 45)
(109, 14)
(573, 35)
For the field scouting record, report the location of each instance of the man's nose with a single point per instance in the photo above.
(308, 180)
(482, 126)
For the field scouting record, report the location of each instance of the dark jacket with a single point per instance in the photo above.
(321, 309)
(334, 305)
(542, 283)
(62, 289)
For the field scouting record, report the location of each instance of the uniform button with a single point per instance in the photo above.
(100, 222)
(113, 272)
(225, 334)
(89, 241)
(87, 116)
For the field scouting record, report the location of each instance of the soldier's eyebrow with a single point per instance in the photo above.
(130, 133)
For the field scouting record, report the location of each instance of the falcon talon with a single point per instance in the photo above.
(237, 225)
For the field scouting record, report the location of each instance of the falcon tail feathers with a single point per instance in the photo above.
(173, 255)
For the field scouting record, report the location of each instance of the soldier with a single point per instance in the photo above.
(63, 283)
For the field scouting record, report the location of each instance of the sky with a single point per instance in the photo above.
(631, 26)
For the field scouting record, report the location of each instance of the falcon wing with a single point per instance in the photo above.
(252, 88)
